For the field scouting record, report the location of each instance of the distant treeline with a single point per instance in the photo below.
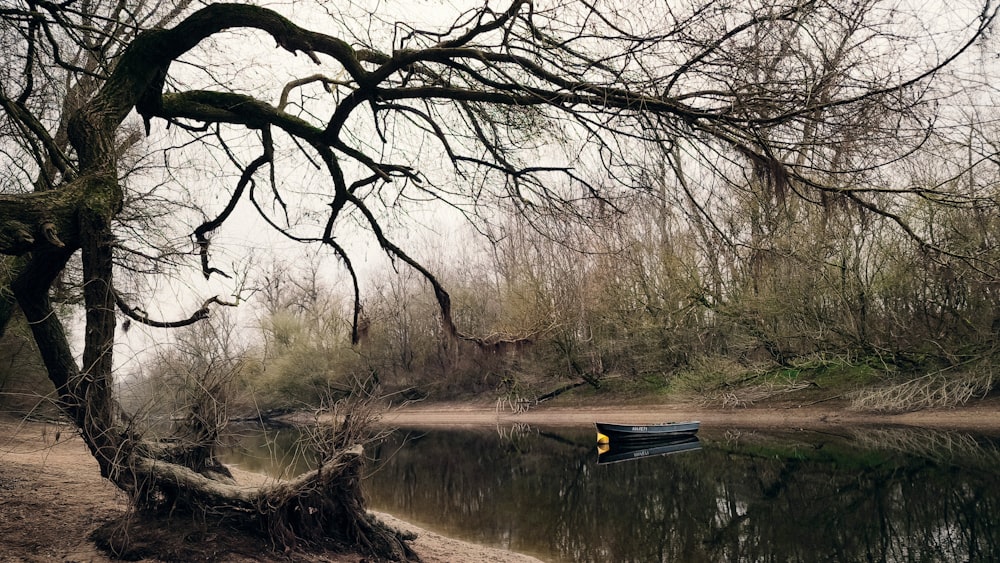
(666, 296)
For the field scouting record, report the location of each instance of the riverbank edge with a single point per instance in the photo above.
(977, 415)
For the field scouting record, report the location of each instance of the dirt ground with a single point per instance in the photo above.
(981, 415)
(52, 496)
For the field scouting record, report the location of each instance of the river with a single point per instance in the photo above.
(852, 494)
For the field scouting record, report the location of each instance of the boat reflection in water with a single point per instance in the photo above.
(625, 450)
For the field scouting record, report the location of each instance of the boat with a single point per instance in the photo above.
(608, 432)
(628, 451)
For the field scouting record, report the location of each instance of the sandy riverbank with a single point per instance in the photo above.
(982, 415)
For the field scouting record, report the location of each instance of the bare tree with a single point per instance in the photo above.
(537, 105)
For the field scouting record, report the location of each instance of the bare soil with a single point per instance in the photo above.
(980, 415)
(52, 498)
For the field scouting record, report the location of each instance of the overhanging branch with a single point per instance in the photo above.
(142, 317)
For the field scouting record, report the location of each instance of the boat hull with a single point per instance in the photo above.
(608, 432)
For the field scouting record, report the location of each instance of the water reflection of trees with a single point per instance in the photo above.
(939, 445)
(279, 452)
(815, 499)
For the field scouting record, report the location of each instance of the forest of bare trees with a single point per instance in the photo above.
(642, 304)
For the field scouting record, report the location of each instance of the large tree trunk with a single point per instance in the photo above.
(43, 231)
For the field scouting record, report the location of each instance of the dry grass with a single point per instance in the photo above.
(934, 390)
(721, 383)
(747, 396)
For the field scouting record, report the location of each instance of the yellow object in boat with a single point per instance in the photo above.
(603, 448)
(602, 439)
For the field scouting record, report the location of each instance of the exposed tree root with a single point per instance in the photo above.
(321, 508)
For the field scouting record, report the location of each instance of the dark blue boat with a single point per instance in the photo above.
(608, 432)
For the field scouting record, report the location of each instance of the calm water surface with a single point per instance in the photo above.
(866, 494)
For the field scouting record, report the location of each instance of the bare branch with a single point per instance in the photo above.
(142, 317)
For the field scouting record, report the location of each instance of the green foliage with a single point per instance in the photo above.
(305, 354)
(707, 375)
